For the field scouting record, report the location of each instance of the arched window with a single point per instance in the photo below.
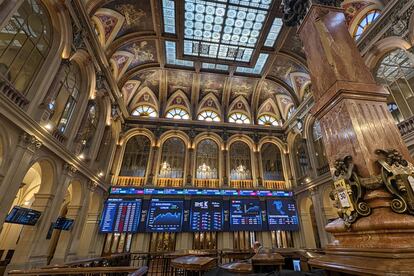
(367, 20)
(145, 111)
(239, 118)
(172, 159)
(24, 44)
(136, 156)
(301, 157)
(209, 116)
(240, 161)
(207, 160)
(67, 96)
(268, 120)
(396, 71)
(88, 128)
(271, 162)
(319, 148)
(178, 113)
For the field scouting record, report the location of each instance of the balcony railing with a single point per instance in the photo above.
(322, 170)
(130, 181)
(241, 184)
(272, 184)
(170, 182)
(406, 126)
(206, 183)
(7, 88)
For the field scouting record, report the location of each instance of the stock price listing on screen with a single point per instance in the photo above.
(121, 216)
(245, 215)
(282, 215)
(165, 215)
(206, 215)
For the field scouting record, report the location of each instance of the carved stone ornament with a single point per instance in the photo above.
(295, 10)
(348, 192)
(398, 177)
(69, 169)
(30, 142)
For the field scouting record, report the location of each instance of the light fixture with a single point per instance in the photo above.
(81, 156)
(100, 174)
(27, 203)
(49, 126)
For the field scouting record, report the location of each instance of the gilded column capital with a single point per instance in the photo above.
(29, 142)
(92, 185)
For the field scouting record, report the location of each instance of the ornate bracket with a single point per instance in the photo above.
(348, 192)
(398, 177)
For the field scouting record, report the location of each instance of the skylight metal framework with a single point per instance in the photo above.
(224, 29)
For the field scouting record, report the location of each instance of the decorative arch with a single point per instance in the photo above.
(137, 131)
(108, 23)
(382, 47)
(175, 133)
(147, 97)
(241, 137)
(210, 103)
(285, 103)
(270, 108)
(209, 135)
(128, 90)
(178, 99)
(374, 5)
(300, 81)
(49, 174)
(308, 227)
(120, 62)
(240, 105)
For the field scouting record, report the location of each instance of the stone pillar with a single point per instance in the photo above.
(153, 167)
(224, 167)
(16, 172)
(190, 161)
(352, 110)
(258, 167)
(317, 203)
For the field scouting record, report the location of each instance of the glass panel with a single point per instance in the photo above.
(171, 56)
(257, 69)
(271, 162)
(268, 120)
(240, 163)
(145, 111)
(209, 116)
(274, 32)
(136, 156)
(365, 22)
(207, 160)
(178, 114)
(172, 159)
(239, 118)
(168, 9)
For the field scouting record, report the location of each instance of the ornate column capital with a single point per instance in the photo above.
(29, 142)
(69, 169)
(92, 185)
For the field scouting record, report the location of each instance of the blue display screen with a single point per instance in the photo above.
(245, 215)
(282, 215)
(63, 223)
(25, 216)
(206, 215)
(121, 216)
(165, 215)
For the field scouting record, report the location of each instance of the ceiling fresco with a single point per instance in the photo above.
(145, 42)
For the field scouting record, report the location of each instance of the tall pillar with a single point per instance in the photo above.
(153, 167)
(317, 203)
(258, 167)
(16, 172)
(224, 167)
(190, 161)
(371, 237)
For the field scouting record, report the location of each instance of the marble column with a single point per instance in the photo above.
(16, 172)
(189, 170)
(225, 181)
(319, 215)
(258, 167)
(352, 110)
(153, 167)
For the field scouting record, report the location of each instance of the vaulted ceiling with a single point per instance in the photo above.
(228, 51)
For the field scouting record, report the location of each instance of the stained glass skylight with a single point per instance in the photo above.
(223, 29)
(222, 67)
(171, 55)
(274, 32)
(168, 11)
(257, 69)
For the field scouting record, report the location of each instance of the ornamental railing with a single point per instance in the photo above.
(170, 182)
(206, 183)
(273, 184)
(7, 88)
(241, 184)
(130, 181)
(406, 126)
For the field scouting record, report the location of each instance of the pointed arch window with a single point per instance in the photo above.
(268, 120)
(178, 114)
(239, 118)
(302, 158)
(172, 159)
(271, 162)
(240, 161)
(25, 43)
(90, 125)
(365, 22)
(209, 116)
(145, 111)
(207, 160)
(136, 157)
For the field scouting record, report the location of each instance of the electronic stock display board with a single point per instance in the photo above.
(25, 216)
(282, 215)
(206, 215)
(245, 215)
(121, 216)
(165, 215)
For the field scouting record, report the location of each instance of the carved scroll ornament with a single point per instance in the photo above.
(398, 177)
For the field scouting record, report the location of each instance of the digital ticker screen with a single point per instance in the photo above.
(282, 215)
(206, 215)
(165, 215)
(121, 216)
(25, 216)
(245, 215)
